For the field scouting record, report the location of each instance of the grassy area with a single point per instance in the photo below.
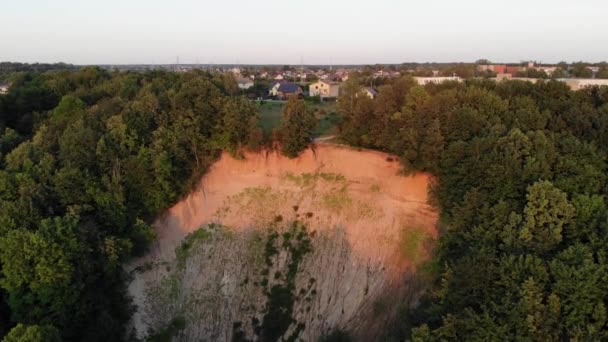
(270, 116)
(337, 200)
(308, 179)
(411, 243)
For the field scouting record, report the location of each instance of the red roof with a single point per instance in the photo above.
(512, 70)
(499, 68)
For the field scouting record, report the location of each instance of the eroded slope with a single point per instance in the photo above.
(296, 248)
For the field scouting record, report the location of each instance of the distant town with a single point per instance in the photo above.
(277, 82)
(281, 81)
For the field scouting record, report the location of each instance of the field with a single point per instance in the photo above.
(270, 116)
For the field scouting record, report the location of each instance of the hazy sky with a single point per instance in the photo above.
(318, 31)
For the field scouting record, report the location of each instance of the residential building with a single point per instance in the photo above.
(573, 83)
(324, 88)
(549, 70)
(501, 76)
(496, 68)
(514, 69)
(341, 74)
(273, 87)
(370, 92)
(580, 83)
(3, 88)
(436, 80)
(381, 73)
(244, 83)
(288, 89)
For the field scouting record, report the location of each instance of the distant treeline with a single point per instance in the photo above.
(521, 183)
(9, 68)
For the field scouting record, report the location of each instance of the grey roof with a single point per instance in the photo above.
(288, 88)
(372, 91)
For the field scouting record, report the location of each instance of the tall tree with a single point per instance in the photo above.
(297, 125)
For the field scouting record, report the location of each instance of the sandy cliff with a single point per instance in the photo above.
(362, 229)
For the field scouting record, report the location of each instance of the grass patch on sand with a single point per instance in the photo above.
(337, 201)
(411, 241)
(305, 180)
(262, 202)
(364, 210)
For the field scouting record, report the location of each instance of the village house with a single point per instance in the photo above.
(436, 80)
(341, 74)
(287, 89)
(496, 68)
(244, 83)
(581, 83)
(573, 83)
(324, 89)
(513, 70)
(370, 92)
(273, 87)
(3, 88)
(382, 73)
(501, 77)
(549, 70)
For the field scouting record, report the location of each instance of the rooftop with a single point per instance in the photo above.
(372, 91)
(289, 87)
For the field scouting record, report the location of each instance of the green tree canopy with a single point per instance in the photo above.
(32, 333)
(297, 125)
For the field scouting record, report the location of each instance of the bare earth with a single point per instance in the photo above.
(373, 227)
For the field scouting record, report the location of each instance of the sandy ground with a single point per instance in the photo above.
(371, 179)
(360, 191)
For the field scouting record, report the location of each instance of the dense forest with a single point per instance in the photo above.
(521, 184)
(89, 158)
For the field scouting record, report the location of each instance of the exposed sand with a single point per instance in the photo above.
(371, 180)
(378, 210)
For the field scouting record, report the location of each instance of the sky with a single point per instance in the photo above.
(308, 31)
